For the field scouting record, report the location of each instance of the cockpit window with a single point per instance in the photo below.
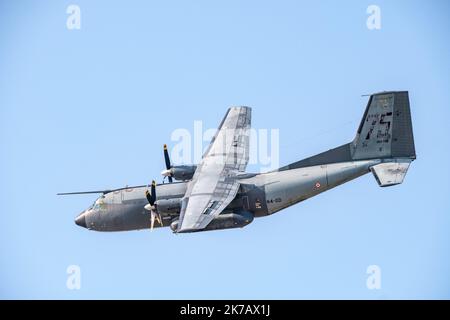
(98, 204)
(94, 206)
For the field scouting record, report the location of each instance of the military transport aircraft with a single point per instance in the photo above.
(218, 194)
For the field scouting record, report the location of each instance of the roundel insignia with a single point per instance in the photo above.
(317, 184)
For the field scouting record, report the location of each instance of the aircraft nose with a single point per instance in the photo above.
(81, 220)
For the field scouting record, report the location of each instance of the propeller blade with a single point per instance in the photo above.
(152, 220)
(153, 188)
(151, 196)
(155, 216)
(159, 219)
(166, 157)
(167, 172)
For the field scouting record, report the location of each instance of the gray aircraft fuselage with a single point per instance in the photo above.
(262, 194)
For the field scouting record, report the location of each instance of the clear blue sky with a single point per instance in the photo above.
(90, 109)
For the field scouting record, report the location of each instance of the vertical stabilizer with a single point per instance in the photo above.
(385, 130)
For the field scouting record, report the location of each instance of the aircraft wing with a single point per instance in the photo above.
(214, 183)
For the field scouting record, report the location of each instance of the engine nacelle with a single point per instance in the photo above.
(183, 173)
(168, 206)
(224, 221)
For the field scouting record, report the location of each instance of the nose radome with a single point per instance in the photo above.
(81, 220)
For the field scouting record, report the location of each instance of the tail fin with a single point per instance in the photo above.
(386, 133)
(385, 130)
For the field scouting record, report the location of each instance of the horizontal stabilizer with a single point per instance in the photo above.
(390, 173)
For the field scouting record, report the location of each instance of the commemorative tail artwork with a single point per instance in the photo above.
(217, 193)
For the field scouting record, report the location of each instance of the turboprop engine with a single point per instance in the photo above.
(168, 206)
(181, 172)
